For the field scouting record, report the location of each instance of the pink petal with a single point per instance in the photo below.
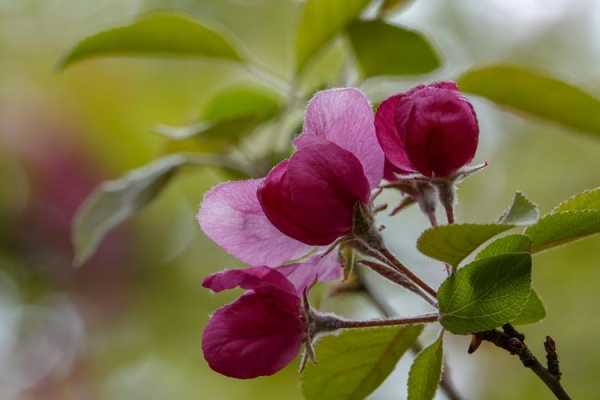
(316, 269)
(390, 139)
(257, 335)
(311, 197)
(233, 218)
(254, 278)
(344, 117)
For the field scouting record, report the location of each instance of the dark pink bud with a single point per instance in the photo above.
(262, 331)
(311, 196)
(429, 129)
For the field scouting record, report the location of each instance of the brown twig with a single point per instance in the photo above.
(514, 342)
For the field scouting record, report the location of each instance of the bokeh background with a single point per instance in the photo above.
(128, 324)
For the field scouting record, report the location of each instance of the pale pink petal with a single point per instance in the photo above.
(233, 218)
(344, 117)
(318, 268)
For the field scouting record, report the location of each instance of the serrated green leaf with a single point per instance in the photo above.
(521, 212)
(353, 364)
(157, 34)
(486, 293)
(563, 227)
(227, 117)
(507, 244)
(587, 200)
(535, 93)
(384, 49)
(320, 22)
(114, 201)
(426, 372)
(453, 243)
(534, 311)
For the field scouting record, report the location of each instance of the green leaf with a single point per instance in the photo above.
(587, 200)
(114, 201)
(507, 244)
(353, 364)
(453, 243)
(533, 311)
(426, 372)
(384, 49)
(228, 116)
(535, 93)
(321, 21)
(563, 227)
(157, 34)
(486, 294)
(521, 212)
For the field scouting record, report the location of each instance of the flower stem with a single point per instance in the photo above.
(345, 324)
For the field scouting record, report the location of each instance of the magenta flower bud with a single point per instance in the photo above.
(430, 129)
(262, 331)
(311, 197)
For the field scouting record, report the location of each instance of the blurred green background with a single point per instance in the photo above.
(128, 324)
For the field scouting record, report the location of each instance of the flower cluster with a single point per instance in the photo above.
(307, 203)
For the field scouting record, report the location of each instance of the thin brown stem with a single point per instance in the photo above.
(425, 318)
(446, 383)
(514, 343)
(395, 263)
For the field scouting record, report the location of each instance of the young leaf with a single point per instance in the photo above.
(453, 243)
(353, 364)
(521, 212)
(587, 200)
(426, 371)
(533, 311)
(535, 93)
(563, 227)
(114, 201)
(507, 244)
(486, 294)
(384, 49)
(157, 34)
(228, 116)
(321, 21)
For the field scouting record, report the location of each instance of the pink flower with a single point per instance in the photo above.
(262, 331)
(311, 197)
(430, 129)
(307, 200)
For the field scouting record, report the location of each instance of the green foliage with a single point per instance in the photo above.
(229, 116)
(486, 294)
(453, 243)
(426, 371)
(157, 34)
(563, 227)
(521, 212)
(321, 21)
(534, 311)
(384, 49)
(587, 200)
(353, 364)
(507, 244)
(535, 93)
(114, 201)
